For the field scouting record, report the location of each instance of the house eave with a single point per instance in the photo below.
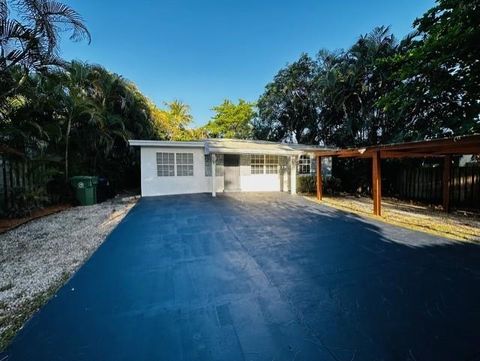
(233, 146)
(221, 150)
(165, 143)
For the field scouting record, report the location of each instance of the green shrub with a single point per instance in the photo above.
(306, 184)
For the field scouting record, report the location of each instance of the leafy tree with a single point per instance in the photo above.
(29, 40)
(330, 100)
(349, 85)
(381, 90)
(231, 120)
(287, 110)
(117, 111)
(173, 123)
(82, 116)
(438, 75)
(78, 115)
(73, 104)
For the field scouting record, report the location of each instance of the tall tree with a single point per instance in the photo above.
(75, 106)
(438, 75)
(81, 115)
(349, 85)
(231, 120)
(330, 100)
(174, 122)
(287, 110)
(31, 39)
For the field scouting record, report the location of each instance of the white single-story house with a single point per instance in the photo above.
(222, 165)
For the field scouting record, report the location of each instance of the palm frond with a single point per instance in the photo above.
(67, 19)
(49, 18)
(11, 29)
(3, 9)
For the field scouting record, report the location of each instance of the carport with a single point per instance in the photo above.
(437, 148)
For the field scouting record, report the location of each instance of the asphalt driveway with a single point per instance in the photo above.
(261, 277)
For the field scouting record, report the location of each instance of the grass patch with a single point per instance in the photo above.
(14, 320)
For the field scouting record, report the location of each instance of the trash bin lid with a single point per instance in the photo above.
(81, 181)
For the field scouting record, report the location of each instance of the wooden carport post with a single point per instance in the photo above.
(319, 178)
(447, 165)
(377, 184)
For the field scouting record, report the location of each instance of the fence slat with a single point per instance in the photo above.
(425, 184)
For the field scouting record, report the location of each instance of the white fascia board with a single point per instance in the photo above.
(216, 150)
(165, 143)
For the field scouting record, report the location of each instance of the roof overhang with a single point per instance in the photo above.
(230, 146)
(165, 143)
(469, 144)
(234, 146)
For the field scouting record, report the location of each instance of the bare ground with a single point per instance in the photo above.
(7, 224)
(461, 226)
(38, 257)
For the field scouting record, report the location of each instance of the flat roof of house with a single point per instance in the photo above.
(234, 146)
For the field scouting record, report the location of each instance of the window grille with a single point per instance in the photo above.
(257, 163)
(165, 164)
(271, 164)
(184, 164)
(304, 164)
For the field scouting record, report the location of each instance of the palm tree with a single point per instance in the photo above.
(108, 122)
(350, 84)
(32, 39)
(179, 113)
(73, 102)
(173, 122)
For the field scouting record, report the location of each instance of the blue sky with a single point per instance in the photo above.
(202, 52)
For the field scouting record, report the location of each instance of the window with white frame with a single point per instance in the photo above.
(218, 168)
(271, 164)
(165, 164)
(304, 164)
(257, 164)
(184, 164)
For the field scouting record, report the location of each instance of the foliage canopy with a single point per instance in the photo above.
(382, 90)
(231, 120)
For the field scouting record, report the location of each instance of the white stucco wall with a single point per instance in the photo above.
(153, 185)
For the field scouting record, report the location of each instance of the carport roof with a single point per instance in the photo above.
(467, 144)
(235, 146)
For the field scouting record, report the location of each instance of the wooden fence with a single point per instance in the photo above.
(425, 184)
(19, 175)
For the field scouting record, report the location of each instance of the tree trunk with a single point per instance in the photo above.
(67, 141)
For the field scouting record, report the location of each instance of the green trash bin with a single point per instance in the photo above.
(85, 189)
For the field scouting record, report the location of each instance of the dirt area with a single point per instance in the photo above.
(7, 224)
(460, 226)
(38, 257)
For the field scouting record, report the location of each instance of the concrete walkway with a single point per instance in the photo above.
(261, 277)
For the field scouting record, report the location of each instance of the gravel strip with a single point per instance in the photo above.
(42, 253)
